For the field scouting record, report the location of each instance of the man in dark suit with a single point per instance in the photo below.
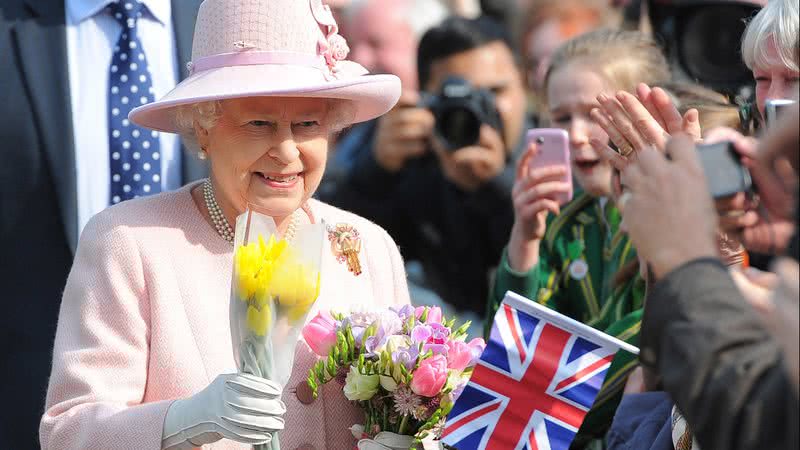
(58, 78)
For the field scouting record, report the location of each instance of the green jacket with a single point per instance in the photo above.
(582, 251)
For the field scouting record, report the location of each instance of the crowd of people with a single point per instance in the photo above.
(406, 119)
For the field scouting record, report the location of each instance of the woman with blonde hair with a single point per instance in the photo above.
(143, 355)
(566, 256)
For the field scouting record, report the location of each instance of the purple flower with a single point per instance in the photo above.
(421, 333)
(389, 323)
(457, 391)
(373, 342)
(404, 312)
(406, 356)
(439, 333)
(358, 333)
(437, 349)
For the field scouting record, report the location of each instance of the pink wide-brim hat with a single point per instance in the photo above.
(256, 48)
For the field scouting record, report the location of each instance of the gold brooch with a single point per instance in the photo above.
(346, 245)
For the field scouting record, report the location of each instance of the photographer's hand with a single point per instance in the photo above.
(534, 195)
(469, 168)
(403, 133)
(738, 214)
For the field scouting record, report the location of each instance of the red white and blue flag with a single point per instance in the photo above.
(534, 383)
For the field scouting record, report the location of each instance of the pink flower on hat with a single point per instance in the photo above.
(338, 47)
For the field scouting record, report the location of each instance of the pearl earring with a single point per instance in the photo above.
(202, 154)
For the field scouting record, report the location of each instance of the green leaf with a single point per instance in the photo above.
(424, 317)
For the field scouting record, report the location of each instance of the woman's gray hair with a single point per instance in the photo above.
(778, 20)
(206, 114)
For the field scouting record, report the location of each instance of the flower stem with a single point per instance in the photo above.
(403, 423)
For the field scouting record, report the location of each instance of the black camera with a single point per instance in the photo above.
(459, 109)
(724, 171)
(702, 39)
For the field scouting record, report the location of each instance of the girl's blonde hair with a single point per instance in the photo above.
(623, 58)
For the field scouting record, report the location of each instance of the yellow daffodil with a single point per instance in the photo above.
(255, 263)
(259, 321)
(295, 286)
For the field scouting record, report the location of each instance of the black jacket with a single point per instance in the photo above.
(457, 236)
(718, 363)
(38, 198)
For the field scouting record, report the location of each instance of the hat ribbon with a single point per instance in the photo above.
(253, 58)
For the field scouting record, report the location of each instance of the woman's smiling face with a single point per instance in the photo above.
(268, 152)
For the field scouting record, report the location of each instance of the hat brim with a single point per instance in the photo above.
(371, 95)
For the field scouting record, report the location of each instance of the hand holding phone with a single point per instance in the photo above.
(552, 150)
(543, 183)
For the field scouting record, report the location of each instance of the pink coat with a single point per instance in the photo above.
(144, 321)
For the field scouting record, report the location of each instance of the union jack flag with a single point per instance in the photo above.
(534, 383)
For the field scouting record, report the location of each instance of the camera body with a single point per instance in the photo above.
(702, 40)
(774, 109)
(724, 171)
(460, 109)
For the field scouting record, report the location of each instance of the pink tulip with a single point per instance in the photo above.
(459, 355)
(476, 347)
(320, 333)
(430, 376)
(434, 313)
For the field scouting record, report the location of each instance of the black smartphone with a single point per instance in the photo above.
(724, 171)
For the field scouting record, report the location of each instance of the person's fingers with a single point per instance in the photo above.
(761, 278)
(408, 98)
(538, 175)
(644, 94)
(649, 161)
(410, 147)
(642, 119)
(691, 125)
(622, 121)
(732, 204)
(253, 386)
(530, 211)
(672, 117)
(471, 155)
(523, 165)
(735, 223)
(601, 119)
(746, 146)
(549, 190)
(254, 423)
(416, 120)
(490, 138)
(681, 149)
(616, 160)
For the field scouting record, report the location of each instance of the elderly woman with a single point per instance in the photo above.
(770, 50)
(143, 356)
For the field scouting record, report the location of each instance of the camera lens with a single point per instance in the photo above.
(709, 42)
(459, 127)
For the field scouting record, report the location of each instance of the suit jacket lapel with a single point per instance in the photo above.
(41, 43)
(184, 15)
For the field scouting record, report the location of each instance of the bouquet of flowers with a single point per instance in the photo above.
(275, 284)
(405, 367)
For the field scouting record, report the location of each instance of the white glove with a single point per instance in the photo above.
(243, 408)
(386, 441)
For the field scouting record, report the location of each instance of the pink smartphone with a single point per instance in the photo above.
(553, 150)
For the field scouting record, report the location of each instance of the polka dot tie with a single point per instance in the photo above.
(135, 151)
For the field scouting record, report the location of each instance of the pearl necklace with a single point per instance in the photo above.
(221, 222)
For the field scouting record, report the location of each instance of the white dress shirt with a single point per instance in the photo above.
(91, 36)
